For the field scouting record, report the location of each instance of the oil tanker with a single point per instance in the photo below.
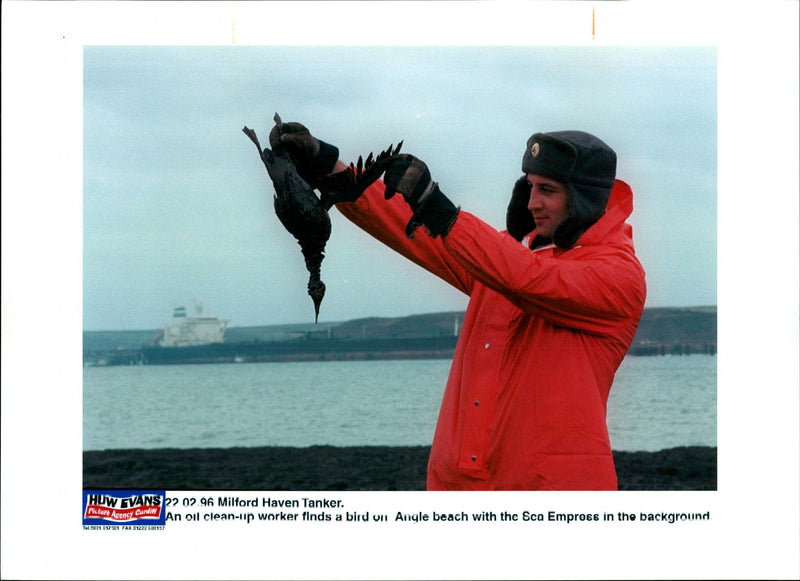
(201, 339)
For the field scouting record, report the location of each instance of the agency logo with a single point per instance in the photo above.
(124, 507)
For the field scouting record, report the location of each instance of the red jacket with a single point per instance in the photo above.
(544, 332)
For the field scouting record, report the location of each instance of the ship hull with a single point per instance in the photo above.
(311, 350)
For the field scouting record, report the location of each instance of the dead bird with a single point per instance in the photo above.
(304, 214)
(300, 211)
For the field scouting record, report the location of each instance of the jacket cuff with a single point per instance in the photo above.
(437, 213)
(326, 159)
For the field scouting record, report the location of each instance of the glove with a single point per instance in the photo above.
(410, 177)
(313, 158)
(519, 220)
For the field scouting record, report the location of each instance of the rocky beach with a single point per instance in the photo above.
(359, 468)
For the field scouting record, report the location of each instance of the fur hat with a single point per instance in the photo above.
(585, 164)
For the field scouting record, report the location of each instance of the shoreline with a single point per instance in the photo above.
(351, 468)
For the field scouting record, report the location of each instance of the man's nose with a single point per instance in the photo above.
(535, 201)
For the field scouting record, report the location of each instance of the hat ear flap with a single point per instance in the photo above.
(519, 220)
(569, 231)
(586, 205)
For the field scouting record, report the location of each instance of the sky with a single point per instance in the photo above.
(177, 207)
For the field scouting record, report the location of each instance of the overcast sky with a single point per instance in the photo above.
(177, 206)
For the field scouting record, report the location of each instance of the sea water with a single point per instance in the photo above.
(655, 403)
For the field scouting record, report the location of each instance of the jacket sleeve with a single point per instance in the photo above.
(386, 221)
(596, 289)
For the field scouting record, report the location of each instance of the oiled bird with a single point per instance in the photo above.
(300, 211)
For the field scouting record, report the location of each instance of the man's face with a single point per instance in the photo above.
(549, 203)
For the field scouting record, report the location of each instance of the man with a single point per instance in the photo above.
(555, 301)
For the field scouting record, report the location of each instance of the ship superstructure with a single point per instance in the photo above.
(187, 331)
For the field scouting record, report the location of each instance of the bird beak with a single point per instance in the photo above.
(317, 303)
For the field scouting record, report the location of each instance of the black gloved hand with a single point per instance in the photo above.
(410, 177)
(519, 220)
(313, 158)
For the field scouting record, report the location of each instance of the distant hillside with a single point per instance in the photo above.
(671, 325)
(102, 341)
(412, 327)
(661, 330)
